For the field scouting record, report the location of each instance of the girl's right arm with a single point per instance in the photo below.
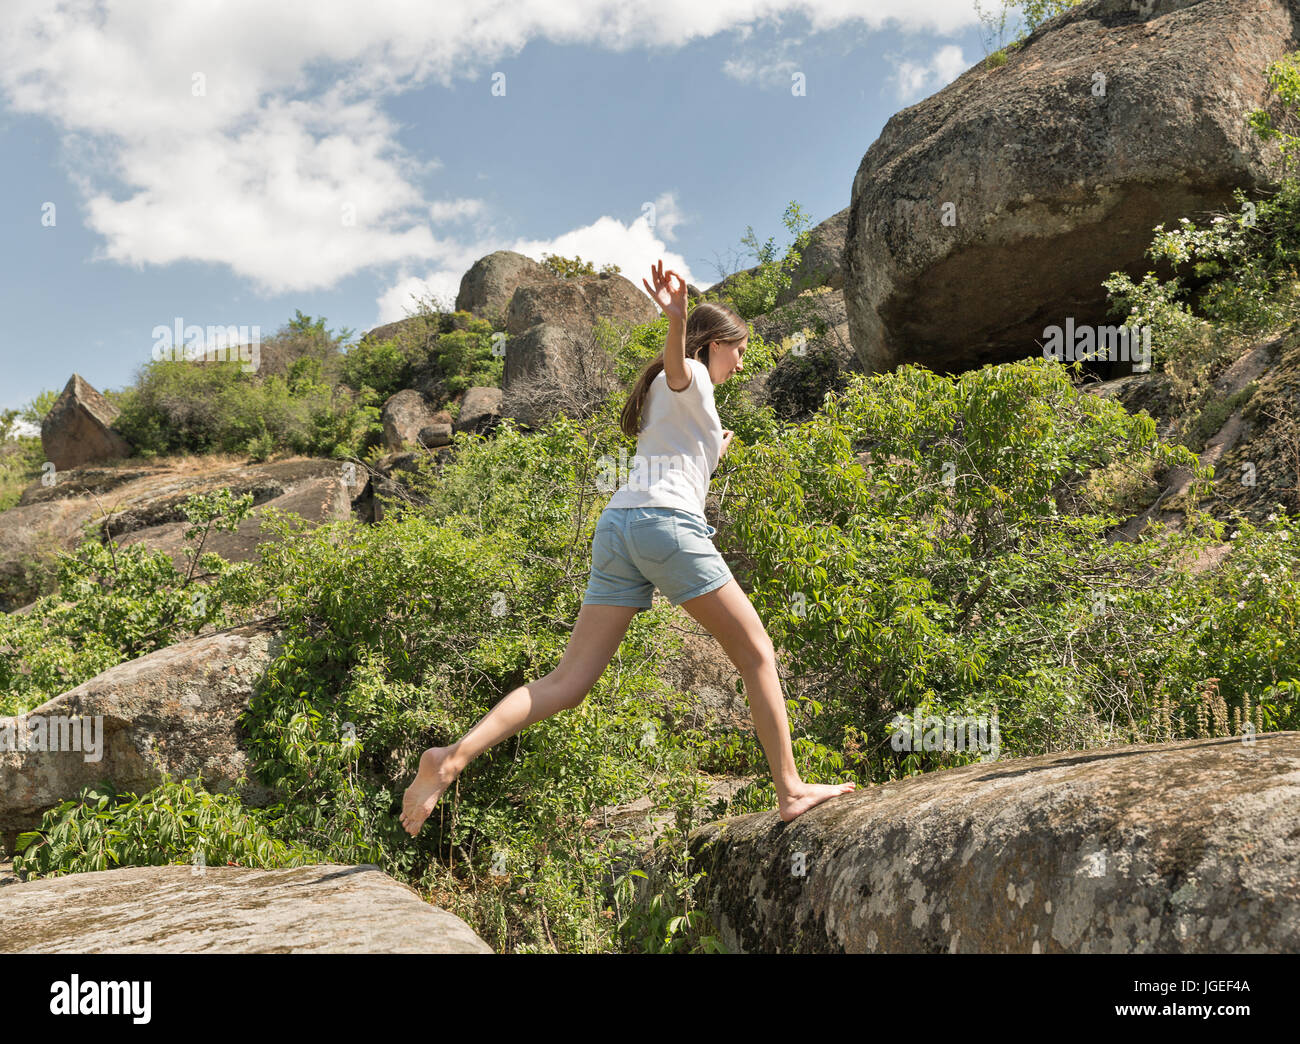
(673, 302)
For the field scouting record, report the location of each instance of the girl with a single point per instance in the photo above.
(653, 533)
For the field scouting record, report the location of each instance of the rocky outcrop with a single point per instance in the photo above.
(322, 908)
(174, 710)
(814, 331)
(324, 499)
(551, 369)
(1179, 847)
(480, 409)
(577, 304)
(408, 418)
(77, 429)
(821, 261)
(996, 207)
(143, 503)
(491, 281)
(821, 264)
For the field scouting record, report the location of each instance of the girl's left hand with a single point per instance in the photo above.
(671, 299)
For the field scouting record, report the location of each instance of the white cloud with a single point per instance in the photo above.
(445, 210)
(241, 133)
(915, 80)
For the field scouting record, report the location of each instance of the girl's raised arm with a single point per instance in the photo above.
(673, 302)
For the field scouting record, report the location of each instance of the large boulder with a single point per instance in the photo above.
(479, 409)
(318, 500)
(1190, 846)
(552, 368)
(323, 908)
(577, 304)
(173, 711)
(144, 503)
(995, 208)
(77, 428)
(491, 281)
(406, 416)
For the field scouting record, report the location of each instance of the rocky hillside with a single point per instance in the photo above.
(928, 514)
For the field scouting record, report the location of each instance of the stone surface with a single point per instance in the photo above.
(479, 409)
(175, 709)
(405, 415)
(323, 908)
(491, 281)
(76, 429)
(576, 304)
(1191, 846)
(552, 368)
(143, 502)
(1053, 186)
(315, 501)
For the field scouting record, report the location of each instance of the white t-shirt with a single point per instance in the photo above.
(678, 447)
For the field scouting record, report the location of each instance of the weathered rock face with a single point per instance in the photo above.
(577, 304)
(1191, 846)
(174, 709)
(324, 908)
(996, 207)
(76, 430)
(479, 409)
(491, 281)
(822, 261)
(552, 368)
(407, 414)
(143, 503)
(324, 499)
(815, 328)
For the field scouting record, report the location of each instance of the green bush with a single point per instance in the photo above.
(177, 822)
(113, 604)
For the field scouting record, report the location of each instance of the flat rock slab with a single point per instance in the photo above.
(325, 908)
(1184, 847)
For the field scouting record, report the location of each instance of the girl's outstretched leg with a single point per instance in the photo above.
(595, 639)
(728, 615)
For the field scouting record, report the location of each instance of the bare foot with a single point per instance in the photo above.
(809, 795)
(434, 777)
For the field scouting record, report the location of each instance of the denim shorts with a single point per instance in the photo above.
(634, 550)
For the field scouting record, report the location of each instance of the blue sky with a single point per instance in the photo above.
(202, 159)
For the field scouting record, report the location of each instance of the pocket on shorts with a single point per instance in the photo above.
(654, 538)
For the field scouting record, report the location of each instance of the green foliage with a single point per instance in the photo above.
(113, 604)
(755, 293)
(34, 412)
(1284, 80)
(21, 457)
(454, 350)
(964, 571)
(293, 402)
(575, 267)
(1234, 276)
(1028, 14)
(177, 822)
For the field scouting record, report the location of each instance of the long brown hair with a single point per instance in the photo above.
(707, 322)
